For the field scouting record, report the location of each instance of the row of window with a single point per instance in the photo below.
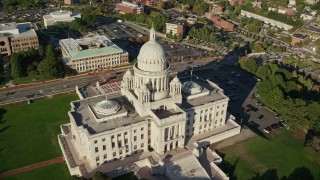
(217, 107)
(24, 44)
(22, 40)
(105, 156)
(95, 59)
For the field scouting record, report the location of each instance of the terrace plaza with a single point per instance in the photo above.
(156, 126)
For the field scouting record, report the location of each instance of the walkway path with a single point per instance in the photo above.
(31, 167)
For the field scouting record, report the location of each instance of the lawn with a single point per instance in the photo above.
(279, 155)
(29, 79)
(28, 133)
(58, 172)
(53, 172)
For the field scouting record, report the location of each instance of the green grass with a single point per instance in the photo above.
(28, 133)
(283, 151)
(58, 172)
(129, 176)
(53, 172)
(29, 79)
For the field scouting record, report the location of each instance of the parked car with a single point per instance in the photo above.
(280, 124)
(275, 126)
(283, 122)
(268, 129)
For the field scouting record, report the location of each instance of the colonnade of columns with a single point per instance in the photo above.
(157, 84)
(172, 132)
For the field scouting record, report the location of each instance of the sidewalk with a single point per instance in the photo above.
(31, 167)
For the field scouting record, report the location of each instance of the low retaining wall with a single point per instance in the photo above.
(221, 136)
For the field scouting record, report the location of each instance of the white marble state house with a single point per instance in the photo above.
(154, 112)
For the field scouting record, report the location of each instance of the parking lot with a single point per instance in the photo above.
(240, 87)
(120, 33)
(25, 16)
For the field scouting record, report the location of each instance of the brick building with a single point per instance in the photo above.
(216, 9)
(236, 2)
(151, 3)
(15, 37)
(129, 8)
(218, 21)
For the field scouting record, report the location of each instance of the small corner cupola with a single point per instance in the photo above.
(175, 80)
(175, 86)
(128, 73)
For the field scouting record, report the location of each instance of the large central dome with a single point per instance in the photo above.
(151, 56)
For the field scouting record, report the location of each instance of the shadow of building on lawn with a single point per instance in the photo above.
(300, 173)
(2, 121)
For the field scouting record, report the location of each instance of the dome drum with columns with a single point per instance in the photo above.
(150, 73)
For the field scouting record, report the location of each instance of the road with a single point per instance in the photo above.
(61, 86)
(40, 90)
(283, 44)
(144, 30)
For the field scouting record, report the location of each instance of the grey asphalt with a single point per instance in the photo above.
(242, 88)
(39, 90)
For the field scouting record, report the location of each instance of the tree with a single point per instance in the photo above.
(298, 106)
(258, 48)
(277, 80)
(2, 75)
(179, 37)
(89, 18)
(59, 24)
(251, 65)
(264, 87)
(274, 68)
(291, 86)
(51, 66)
(313, 115)
(76, 24)
(16, 65)
(41, 51)
(157, 20)
(100, 176)
(263, 72)
(294, 74)
(285, 73)
(287, 39)
(51, 53)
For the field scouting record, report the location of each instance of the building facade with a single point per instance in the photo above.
(70, 2)
(151, 3)
(175, 27)
(266, 20)
(218, 21)
(15, 37)
(92, 53)
(129, 8)
(59, 16)
(153, 111)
